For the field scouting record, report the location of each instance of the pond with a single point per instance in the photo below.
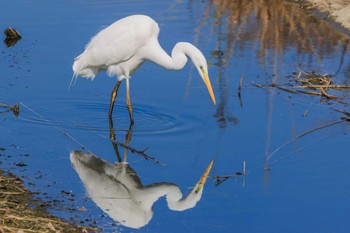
(280, 151)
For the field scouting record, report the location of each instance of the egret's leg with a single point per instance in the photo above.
(112, 137)
(111, 128)
(127, 140)
(128, 103)
(113, 97)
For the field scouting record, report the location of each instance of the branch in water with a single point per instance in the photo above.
(14, 109)
(140, 152)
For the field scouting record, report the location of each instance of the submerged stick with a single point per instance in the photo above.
(244, 168)
(56, 127)
(14, 109)
(283, 88)
(12, 33)
(305, 133)
(142, 153)
(259, 85)
(239, 91)
(304, 92)
(322, 86)
(342, 111)
(322, 92)
(222, 178)
(240, 85)
(307, 110)
(12, 36)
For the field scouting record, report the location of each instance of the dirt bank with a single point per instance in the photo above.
(20, 213)
(333, 11)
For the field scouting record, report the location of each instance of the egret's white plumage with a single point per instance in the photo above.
(121, 48)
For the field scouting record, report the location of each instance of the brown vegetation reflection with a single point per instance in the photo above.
(274, 26)
(270, 27)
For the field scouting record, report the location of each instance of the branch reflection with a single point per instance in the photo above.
(119, 192)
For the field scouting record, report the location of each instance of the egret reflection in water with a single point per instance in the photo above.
(119, 192)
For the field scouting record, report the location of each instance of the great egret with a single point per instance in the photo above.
(122, 47)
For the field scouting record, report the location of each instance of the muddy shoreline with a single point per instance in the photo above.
(20, 212)
(335, 12)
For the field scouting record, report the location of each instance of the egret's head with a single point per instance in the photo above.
(200, 62)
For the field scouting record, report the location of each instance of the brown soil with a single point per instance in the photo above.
(20, 213)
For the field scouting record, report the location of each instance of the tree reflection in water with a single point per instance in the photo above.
(272, 27)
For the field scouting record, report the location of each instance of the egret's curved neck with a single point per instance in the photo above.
(177, 202)
(178, 57)
(173, 195)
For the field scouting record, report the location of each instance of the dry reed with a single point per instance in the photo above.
(17, 216)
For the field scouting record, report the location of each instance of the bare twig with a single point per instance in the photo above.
(342, 111)
(56, 127)
(240, 85)
(259, 85)
(139, 152)
(322, 86)
(307, 110)
(222, 178)
(12, 33)
(322, 93)
(305, 133)
(283, 88)
(244, 168)
(303, 92)
(14, 108)
(239, 91)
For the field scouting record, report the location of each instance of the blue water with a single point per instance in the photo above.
(303, 187)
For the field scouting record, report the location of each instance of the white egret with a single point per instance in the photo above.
(121, 48)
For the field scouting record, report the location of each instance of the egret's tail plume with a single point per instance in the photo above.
(82, 69)
(72, 81)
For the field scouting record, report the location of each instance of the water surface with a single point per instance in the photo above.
(303, 187)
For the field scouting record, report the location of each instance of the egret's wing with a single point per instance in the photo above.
(120, 41)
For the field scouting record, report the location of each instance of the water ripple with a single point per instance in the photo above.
(92, 116)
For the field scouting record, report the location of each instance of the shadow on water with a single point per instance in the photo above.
(119, 192)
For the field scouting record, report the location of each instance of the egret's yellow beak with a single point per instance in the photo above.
(207, 83)
(204, 177)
